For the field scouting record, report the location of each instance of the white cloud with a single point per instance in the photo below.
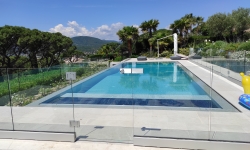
(135, 25)
(102, 32)
(168, 27)
(139, 29)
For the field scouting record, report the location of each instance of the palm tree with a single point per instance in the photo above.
(177, 27)
(128, 34)
(184, 26)
(162, 43)
(198, 22)
(151, 41)
(104, 50)
(149, 26)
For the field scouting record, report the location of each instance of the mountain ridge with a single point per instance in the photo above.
(89, 44)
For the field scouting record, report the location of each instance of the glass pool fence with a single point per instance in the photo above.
(202, 115)
(228, 64)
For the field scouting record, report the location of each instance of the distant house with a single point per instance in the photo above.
(248, 30)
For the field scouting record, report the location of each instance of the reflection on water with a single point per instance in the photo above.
(159, 78)
(150, 85)
(129, 81)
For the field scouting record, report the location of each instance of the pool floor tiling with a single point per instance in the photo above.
(139, 102)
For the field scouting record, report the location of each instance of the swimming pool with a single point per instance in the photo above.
(159, 84)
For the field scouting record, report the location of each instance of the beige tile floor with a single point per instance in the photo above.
(8, 144)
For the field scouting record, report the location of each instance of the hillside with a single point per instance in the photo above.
(89, 44)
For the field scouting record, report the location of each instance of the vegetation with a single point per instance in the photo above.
(88, 44)
(21, 47)
(244, 46)
(110, 48)
(186, 27)
(25, 48)
(220, 33)
(27, 86)
(149, 26)
(128, 35)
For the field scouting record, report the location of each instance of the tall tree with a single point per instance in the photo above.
(11, 47)
(199, 21)
(19, 43)
(241, 18)
(216, 25)
(109, 48)
(128, 34)
(229, 27)
(149, 26)
(184, 27)
(163, 43)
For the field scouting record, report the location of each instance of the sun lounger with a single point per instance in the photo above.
(195, 57)
(141, 58)
(184, 57)
(175, 58)
(179, 57)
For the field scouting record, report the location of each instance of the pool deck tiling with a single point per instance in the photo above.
(10, 144)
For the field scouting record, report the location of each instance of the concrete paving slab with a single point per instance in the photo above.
(9, 144)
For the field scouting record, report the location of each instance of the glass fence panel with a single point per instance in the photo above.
(172, 101)
(5, 105)
(234, 72)
(84, 70)
(104, 106)
(35, 95)
(230, 123)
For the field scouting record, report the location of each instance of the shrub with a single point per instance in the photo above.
(203, 53)
(153, 54)
(145, 54)
(118, 58)
(134, 56)
(95, 57)
(165, 54)
(231, 46)
(80, 71)
(109, 56)
(244, 46)
(219, 44)
(184, 51)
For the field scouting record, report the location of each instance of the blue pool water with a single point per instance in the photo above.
(160, 84)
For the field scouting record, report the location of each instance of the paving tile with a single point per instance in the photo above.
(10, 144)
(5, 143)
(25, 145)
(204, 135)
(232, 136)
(104, 133)
(227, 128)
(166, 133)
(6, 126)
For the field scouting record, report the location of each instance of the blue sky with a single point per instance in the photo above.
(103, 18)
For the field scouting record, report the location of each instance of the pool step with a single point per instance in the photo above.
(139, 96)
(131, 70)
